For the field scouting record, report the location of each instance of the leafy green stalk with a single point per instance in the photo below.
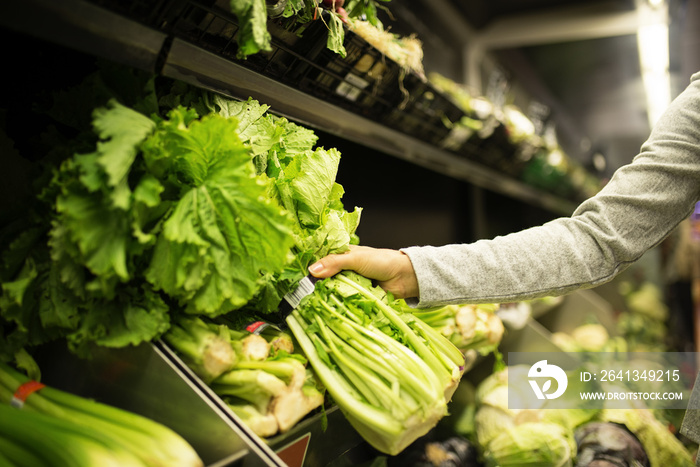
(263, 424)
(290, 370)
(255, 386)
(338, 387)
(203, 349)
(370, 384)
(435, 317)
(466, 326)
(63, 442)
(376, 350)
(365, 353)
(153, 442)
(448, 353)
(15, 453)
(419, 345)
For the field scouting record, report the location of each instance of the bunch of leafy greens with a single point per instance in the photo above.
(302, 180)
(208, 207)
(252, 15)
(171, 212)
(389, 372)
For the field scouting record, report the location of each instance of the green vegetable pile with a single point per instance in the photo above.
(252, 15)
(54, 427)
(556, 433)
(469, 327)
(184, 215)
(390, 373)
(163, 213)
(259, 376)
(168, 213)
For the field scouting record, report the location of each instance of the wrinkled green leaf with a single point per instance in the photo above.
(222, 234)
(253, 36)
(336, 35)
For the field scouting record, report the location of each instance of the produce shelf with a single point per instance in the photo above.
(90, 28)
(144, 380)
(152, 381)
(310, 442)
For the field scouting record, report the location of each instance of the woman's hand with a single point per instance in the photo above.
(391, 269)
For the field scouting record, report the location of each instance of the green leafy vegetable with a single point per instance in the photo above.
(253, 36)
(466, 326)
(164, 212)
(385, 369)
(336, 35)
(66, 429)
(222, 231)
(531, 444)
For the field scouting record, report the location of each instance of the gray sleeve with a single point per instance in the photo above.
(643, 202)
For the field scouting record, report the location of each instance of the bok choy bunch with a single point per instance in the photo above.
(468, 327)
(389, 372)
(259, 376)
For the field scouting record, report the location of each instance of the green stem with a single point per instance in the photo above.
(453, 357)
(368, 383)
(365, 341)
(63, 442)
(436, 318)
(13, 452)
(155, 443)
(420, 348)
(361, 411)
(284, 369)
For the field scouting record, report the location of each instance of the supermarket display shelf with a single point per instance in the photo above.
(91, 29)
(151, 380)
(146, 381)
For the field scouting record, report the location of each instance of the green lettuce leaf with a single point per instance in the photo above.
(137, 315)
(336, 35)
(310, 179)
(253, 36)
(93, 223)
(223, 234)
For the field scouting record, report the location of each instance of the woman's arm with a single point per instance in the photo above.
(643, 202)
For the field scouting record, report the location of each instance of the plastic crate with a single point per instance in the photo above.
(424, 112)
(210, 25)
(214, 28)
(493, 149)
(364, 81)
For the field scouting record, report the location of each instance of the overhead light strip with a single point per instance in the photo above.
(652, 40)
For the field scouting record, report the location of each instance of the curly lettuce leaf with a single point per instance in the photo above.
(309, 180)
(137, 315)
(273, 140)
(223, 234)
(93, 224)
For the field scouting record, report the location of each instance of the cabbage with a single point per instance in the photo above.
(661, 446)
(508, 435)
(591, 337)
(531, 444)
(490, 422)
